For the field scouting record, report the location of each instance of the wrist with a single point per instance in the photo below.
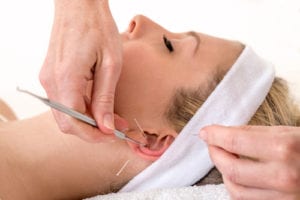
(67, 4)
(68, 10)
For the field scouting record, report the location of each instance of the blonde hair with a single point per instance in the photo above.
(277, 109)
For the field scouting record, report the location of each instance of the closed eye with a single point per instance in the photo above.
(168, 44)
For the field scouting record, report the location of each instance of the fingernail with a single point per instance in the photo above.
(203, 135)
(108, 121)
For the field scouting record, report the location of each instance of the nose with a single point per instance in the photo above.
(142, 26)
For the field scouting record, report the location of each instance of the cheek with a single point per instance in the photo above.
(136, 56)
(142, 67)
(140, 84)
(134, 79)
(135, 68)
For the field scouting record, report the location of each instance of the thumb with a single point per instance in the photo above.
(105, 81)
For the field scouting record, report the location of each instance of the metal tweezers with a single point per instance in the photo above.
(77, 115)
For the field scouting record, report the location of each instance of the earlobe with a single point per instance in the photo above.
(156, 145)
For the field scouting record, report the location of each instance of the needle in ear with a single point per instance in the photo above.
(139, 127)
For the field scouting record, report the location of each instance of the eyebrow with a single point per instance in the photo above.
(197, 37)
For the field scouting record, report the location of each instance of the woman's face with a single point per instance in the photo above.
(152, 72)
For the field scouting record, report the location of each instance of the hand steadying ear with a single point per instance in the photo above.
(273, 172)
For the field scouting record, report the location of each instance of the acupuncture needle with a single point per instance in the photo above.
(77, 115)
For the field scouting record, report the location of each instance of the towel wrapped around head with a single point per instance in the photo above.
(233, 103)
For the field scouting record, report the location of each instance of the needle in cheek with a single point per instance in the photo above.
(122, 168)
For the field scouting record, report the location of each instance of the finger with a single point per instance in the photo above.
(249, 141)
(81, 129)
(237, 191)
(245, 172)
(71, 90)
(73, 97)
(106, 78)
(67, 88)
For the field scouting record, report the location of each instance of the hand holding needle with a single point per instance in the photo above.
(77, 115)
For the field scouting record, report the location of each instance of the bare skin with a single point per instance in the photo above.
(39, 162)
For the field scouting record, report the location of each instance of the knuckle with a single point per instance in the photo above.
(50, 78)
(235, 191)
(104, 98)
(44, 79)
(233, 174)
(65, 125)
(289, 180)
(45, 72)
(110, 63)
(233, 143)
(285, 147)
(236, 195)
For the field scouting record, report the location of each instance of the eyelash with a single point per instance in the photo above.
(168, 44)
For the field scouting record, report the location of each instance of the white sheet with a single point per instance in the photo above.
(206, 192)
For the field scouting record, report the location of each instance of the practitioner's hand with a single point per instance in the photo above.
(272, 167)
(85, 45)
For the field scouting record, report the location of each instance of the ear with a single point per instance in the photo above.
(156, 144)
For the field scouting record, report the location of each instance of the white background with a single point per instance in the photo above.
(271, 27)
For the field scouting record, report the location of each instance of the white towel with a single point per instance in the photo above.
(206, 192)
